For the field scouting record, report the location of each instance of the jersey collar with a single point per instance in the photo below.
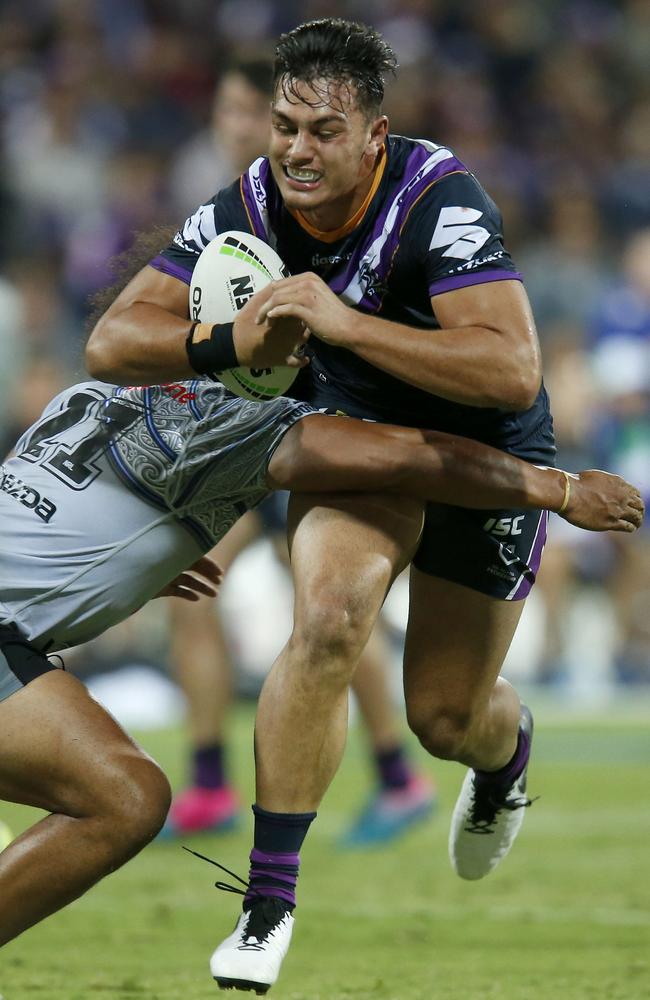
(331, 235)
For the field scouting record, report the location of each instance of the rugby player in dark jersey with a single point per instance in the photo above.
(417, 316)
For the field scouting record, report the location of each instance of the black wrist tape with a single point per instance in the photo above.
(215, 354)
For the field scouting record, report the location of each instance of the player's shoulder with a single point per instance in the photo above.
(225, 210)
(433, 170)
(434, 188)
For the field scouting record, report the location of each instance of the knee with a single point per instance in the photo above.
(138, 805)
(442, 731)
(330, 633)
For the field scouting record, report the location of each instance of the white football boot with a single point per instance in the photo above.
(487, 818)
(251, 957)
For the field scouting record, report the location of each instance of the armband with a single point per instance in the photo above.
(213, 354)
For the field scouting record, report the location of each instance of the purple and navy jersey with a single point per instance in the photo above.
(429, 228)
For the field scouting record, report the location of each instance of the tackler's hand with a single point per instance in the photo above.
(202, 579)
(601, 501)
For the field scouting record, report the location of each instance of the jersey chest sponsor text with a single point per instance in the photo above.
(27, 496)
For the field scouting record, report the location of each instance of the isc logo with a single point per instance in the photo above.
(504, 525)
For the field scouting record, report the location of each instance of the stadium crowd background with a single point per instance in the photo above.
(105, 102)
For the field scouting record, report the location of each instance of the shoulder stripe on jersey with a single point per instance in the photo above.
(375, 256)
(254, 194)
(243, 198)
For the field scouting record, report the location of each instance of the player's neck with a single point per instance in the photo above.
(341, 216)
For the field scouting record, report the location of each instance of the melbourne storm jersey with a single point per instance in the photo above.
(427, 227)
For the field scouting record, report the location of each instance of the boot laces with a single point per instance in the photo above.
(265, 913)
(487, 806)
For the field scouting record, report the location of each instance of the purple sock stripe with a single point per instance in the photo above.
(520, 758)
(273, 857)
(511, 771)
(289, 878)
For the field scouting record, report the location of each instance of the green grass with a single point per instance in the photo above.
(565, 918)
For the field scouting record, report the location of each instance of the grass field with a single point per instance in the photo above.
(567, 917)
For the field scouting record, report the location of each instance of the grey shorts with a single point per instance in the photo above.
(20, 663)
(114, 492)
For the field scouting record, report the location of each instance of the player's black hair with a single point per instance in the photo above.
(337, 52)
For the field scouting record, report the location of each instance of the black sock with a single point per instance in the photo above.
(275, 859)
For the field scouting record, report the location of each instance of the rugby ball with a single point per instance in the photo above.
(230, 270)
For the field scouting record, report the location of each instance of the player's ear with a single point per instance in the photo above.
(378, 133)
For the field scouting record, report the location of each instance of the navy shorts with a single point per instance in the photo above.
(20, 663)
(497, 552)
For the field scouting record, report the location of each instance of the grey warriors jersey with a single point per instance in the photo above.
(114, 491)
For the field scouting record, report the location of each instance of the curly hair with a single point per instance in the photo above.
(125, 266)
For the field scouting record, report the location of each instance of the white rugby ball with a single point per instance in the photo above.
(231, 269)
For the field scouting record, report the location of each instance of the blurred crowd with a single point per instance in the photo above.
(120, 115)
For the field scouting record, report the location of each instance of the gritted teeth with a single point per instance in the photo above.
(297, 174)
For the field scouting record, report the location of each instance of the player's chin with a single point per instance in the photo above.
(303, 197)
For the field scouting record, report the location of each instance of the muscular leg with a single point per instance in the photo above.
(370, 680)
(401, 796)
(462, 710)
(456, 642)
(60, 751)
(345, 553)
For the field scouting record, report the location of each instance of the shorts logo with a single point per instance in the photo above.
(504, 525)
(27, 496)
(508, 554)
(177, 391)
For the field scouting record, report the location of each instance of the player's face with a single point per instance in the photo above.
(323, 151)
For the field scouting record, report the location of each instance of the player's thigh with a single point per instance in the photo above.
(347, 550)
(471, 573)
(456, 641)
(61, 751)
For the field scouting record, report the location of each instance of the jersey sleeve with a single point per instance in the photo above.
(458, 230)
(223, 212)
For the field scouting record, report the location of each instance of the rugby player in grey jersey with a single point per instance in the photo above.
(418, 317)
(104, 503)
